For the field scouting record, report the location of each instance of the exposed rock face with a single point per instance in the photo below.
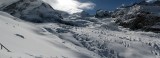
(102, 14)
(32, 10)
(143, 15)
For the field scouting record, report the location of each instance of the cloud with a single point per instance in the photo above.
(150, 0)
(70, 6)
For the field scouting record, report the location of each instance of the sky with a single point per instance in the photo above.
(110, 5)
(71, 6)
(74, 6)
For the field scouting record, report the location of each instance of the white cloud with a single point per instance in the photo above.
(70, 6)
(150, 0)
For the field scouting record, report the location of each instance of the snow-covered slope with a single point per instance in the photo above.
(101, 38)
(25, 40)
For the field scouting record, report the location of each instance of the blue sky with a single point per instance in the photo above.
(109, 4)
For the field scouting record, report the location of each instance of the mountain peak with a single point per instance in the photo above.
(141, 15)
(33, 11)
